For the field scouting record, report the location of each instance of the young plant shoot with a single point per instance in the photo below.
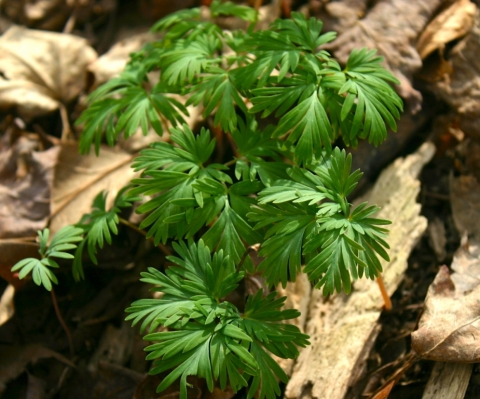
(282, 104)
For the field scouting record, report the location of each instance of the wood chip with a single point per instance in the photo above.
(448, 381)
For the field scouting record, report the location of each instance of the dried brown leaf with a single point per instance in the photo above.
(451, 24)
(79, 178)
(449, 330)
(41, 70)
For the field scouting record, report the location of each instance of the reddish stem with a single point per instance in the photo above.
(385, 296)
(62, 323)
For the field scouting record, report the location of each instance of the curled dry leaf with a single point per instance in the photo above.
(41, 70)
(449, 330)
(79, 178)
(451, 24)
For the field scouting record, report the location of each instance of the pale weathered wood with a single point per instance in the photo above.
(343, 328)
(298, 297)
(448, 381)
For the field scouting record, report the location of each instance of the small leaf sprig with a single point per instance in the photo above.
(64, 240)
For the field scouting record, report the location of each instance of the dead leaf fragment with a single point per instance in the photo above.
(461, 89)
(449, 330)
(26, 177)
(79, 178)
(15, 359)
(451, 24)
(41, 70)
(11, 252)
(465, 200)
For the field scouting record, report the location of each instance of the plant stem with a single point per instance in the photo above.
(248, 251)
(62, 323)
(162, 247)
(385, 296)
(231, 162)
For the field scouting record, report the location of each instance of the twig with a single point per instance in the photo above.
(248, 250)
(62, 323)
(66, 130)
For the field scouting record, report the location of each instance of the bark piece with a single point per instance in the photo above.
(343, 328)
(380, 30)
(448, 381)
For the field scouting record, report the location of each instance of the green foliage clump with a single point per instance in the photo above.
(286, 186)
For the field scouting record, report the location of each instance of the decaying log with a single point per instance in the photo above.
(343, 328)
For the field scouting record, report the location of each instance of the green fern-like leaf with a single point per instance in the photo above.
(208, 336)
